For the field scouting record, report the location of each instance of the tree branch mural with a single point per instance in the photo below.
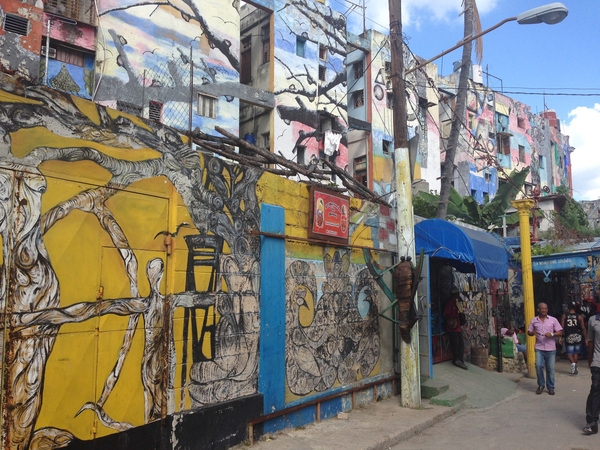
(219, 198)
(189, 11)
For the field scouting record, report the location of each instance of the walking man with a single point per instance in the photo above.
(544, 328)
(575, 333)
(592, 407)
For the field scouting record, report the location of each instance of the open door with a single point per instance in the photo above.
(424, 311)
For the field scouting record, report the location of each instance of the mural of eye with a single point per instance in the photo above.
(378, 92)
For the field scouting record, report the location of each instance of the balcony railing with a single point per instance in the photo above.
(79, 10)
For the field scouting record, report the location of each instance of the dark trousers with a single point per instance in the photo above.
(592, 407)
(457, 344)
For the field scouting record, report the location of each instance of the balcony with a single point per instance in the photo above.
(79, 10)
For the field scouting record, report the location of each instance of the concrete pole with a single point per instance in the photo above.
(524, 207)
(409, 352)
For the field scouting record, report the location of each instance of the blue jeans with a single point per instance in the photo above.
(545, 359)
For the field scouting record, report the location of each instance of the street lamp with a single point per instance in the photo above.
(551, 14)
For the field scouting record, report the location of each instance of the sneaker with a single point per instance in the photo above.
(550, 391)
(540, 389)
(590, 428)
(461, 364)
(573, 368)
(576, 372)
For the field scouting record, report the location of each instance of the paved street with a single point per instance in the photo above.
(524, 420)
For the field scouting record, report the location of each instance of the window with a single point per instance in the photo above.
(358, 98)
(322, 52)
(358, 69)
(487, 176)
(246, 67)
(300, 47)
(265, 32)
(301, 154)
(322, 73)
(387, 147)
(266, 52)
(266, 139)
(129, 108)
(542, 162)
(388, 68)
(360, 170)
(69, 55)
(446, 128)
(246, 42)
(207, 106)
(520, 122)
(521, 153)
(155, 110)
(503, 141)
(266, 44)
(501, 122)
(16, 24)
(389, 100)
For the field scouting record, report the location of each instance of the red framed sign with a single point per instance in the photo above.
(329, 215)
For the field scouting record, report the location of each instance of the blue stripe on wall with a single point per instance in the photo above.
(271, 379)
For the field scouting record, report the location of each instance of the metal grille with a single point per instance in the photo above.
(16, 24)
(155, 111)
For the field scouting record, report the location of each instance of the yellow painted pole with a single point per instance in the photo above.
(524, 207)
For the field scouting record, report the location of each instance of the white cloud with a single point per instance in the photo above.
(416, 12)
(582, 129)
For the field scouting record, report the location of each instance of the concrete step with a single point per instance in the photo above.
(432, 387)
(450, 397)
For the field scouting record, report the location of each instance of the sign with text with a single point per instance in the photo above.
(560, 263)
(329, 215)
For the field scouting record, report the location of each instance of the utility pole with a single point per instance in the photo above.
(405, 223)
(459, 113)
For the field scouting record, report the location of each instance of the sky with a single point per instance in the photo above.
(554, 67)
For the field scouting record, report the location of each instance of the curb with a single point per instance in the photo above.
(395, 438)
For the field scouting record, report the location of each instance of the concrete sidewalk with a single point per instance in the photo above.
(383, 424)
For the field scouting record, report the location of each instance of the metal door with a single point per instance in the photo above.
(424, 311)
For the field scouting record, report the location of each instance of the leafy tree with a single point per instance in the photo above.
(423, 208)
(489, 215)
(572, 217)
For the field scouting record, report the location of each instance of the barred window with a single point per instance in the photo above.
(207, 106)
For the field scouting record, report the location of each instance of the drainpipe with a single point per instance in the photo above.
(47, 51)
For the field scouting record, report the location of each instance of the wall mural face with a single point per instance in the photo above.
(310, 90)
(195, 346)
(332, 330)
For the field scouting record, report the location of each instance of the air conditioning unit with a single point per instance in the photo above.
(51, 53)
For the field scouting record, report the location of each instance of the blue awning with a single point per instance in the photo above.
(465, 249)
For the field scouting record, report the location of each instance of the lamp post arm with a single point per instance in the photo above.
(460, 44)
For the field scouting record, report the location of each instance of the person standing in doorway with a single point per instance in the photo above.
(575, 334)
(454, 329)
(592, 406)
(544, 328)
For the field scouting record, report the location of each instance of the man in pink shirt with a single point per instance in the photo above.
(544, 328)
